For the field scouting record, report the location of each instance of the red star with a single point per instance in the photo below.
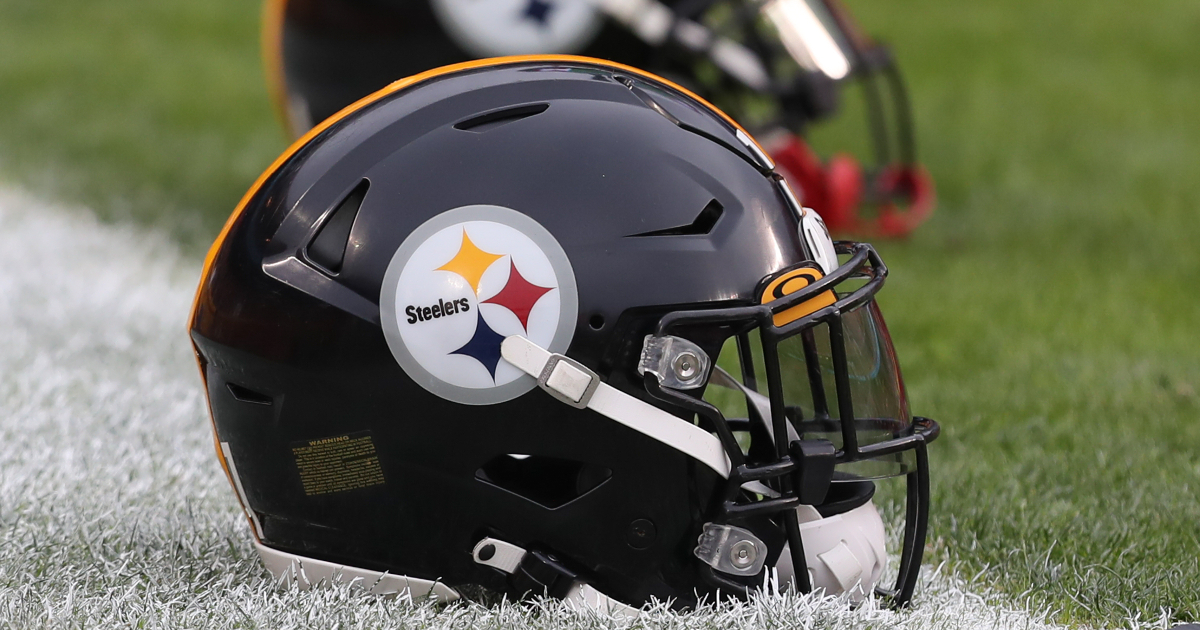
(518, 295)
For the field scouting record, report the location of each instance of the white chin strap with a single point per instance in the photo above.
(576, 385)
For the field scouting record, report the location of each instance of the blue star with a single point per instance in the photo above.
(538, 10)
(484, 346)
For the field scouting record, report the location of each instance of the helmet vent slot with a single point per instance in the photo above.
(498, 118)
(704, 223)
(328, 246)
(548, 481)
(247, 395)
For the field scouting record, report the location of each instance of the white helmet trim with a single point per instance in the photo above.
(290, 568)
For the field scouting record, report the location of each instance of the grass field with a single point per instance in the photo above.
(115, 514)
(1044, 315)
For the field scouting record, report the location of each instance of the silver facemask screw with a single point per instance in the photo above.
(742, 554)
(685, 366)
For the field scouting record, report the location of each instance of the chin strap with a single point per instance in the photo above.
(572, 383)
(539, 573)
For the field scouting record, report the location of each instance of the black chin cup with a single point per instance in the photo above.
(801, 471)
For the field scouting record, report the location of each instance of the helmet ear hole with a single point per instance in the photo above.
(548, 481)
(596, 322)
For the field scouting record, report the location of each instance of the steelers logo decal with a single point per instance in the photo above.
(460, 284)
(490, 28)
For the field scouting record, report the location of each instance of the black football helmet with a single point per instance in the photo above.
(776, 65)
(553, 325)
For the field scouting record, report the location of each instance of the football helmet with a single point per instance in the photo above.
(553, 325)
(776, 65)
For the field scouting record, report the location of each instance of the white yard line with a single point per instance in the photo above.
(113, 508)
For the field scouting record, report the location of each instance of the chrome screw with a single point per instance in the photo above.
(685, 366)
(743, 554)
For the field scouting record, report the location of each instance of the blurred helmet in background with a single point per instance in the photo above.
(775, 65)
(553, 325)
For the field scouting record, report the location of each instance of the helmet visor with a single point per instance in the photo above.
(872, 406)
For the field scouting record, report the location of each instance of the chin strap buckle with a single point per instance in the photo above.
(529, 572)
(568, 380)
(538, 573)
(571, 383)
(542, 573)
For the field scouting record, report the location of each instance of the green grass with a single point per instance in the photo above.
(147, 109)
(1045, 315)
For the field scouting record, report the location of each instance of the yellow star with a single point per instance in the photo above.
(470, 262)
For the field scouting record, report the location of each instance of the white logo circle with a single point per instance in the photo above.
(490, 28)
(460, 284)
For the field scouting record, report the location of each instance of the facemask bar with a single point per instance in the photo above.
(802, 469)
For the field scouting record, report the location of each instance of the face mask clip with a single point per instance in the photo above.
(677, 362)
(731, 549)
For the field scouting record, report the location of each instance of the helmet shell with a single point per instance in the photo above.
(617, 166)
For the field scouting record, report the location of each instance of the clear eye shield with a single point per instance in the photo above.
(809, 379)
(814, 361)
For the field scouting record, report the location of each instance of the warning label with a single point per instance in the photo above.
(337, 464)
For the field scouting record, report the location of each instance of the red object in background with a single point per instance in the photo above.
(904, 193)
